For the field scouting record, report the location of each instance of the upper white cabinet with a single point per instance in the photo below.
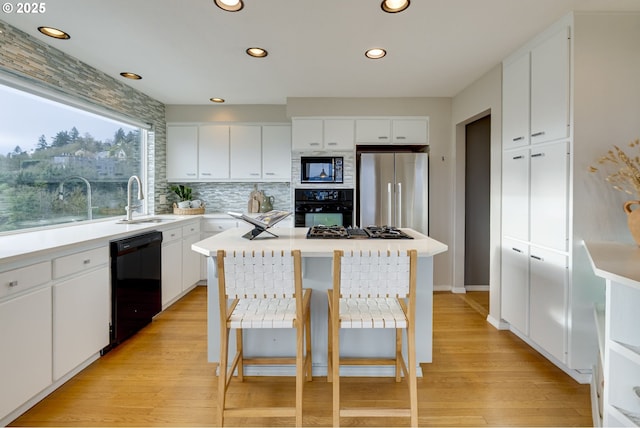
(245, 152)
(276, 152)
(211, 152)
(550, 88)
(515, 194)
(322, 134)
(392, 131)
(182, 152)
(515, 102)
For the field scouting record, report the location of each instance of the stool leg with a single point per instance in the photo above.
(413, 384)
(335, 360)
(308, 342)
(398, 354)
(240, 353)
(299, 370)
(222, 374)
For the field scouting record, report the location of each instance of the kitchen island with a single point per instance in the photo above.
(317, 256)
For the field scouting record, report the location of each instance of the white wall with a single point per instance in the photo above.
(482, 97)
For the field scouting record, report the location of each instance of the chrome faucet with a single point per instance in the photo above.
(78, 177)
(130, 208)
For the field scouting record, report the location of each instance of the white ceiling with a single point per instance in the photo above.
(189, 51)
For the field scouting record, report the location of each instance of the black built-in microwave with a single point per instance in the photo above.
(321, 169)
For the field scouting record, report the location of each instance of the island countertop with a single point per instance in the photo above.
(295, 238)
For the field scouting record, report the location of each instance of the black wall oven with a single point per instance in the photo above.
(328, 207)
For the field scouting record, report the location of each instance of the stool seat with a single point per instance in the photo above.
(376, 312)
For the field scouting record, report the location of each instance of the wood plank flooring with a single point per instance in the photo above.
(479, 377)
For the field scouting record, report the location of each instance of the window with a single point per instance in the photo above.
(61, 164)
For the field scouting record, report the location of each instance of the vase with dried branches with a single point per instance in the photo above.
(625, 178)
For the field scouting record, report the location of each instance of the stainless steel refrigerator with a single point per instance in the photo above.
(393, 190)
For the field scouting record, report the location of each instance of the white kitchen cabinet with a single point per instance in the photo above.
(81, 314)
(549, 197)
(191, 269)
(276, 153)
(515, 284)
(373, 131)
(171, 265)
(81, 308)
(25, 359)
(548, 301)
(213, 152)
(516, 102)
(409, 131)
(550, 63)
(245, 152)
(182, 152)
(515, 194)
(331, 134)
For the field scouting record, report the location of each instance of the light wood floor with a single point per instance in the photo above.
(479, 377)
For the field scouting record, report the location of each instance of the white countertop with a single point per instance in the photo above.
(619, 262)
(295, 238)
(32, 243)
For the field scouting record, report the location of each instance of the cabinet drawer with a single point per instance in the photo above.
(172, 234)
(20, 279)
(79, 262)
(191, 229)
(219, 225)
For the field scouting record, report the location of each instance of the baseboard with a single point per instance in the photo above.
(499, 324)
(458, 290)
(476, 287)
(321, 370)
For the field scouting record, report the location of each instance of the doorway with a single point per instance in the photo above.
(477, 206)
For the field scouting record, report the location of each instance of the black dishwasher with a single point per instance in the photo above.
(136, 285)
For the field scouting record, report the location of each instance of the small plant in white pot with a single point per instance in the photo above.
(184, 195)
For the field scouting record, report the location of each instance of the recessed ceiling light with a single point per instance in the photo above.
(394, 6)
(216, 100)
(132, 76)
(54, 32)
(375, 53)
(229, 5)
(257, 52)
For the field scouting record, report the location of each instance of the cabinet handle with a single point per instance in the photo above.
(537, 258)
(518, 139)
(518, 157)
(191, 174)
(399, 137)
(517, 250)
(205, 173)
(537, 134)
(314, 144)
(537, 155)
(382, 137)
(13, 283)
(333, 143)
(269, 173)
(86, 261)
(254, 173)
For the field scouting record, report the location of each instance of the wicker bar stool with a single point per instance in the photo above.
(256, 291)
(373, 291)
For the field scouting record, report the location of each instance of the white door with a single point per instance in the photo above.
(276, 153)
(515, 284)
(306, 134)
(213, 152)
(550, 89)
(515, 194)
(339, 134)
(171, 270)
(409, 131)
(182, 152)
(549, 195)
(515, 102)
(373, 131)
(548, 301)
(246, 152)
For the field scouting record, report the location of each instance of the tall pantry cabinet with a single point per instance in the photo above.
(536, 296)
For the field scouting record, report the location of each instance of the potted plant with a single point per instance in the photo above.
(184, 195)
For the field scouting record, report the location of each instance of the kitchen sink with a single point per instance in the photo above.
(142, 220)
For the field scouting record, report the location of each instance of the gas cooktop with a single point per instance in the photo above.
(369, 232)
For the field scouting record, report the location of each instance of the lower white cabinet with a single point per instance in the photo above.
(25, 358)
(191, 261)
(81, 313)
(171, 265)
(515, 284)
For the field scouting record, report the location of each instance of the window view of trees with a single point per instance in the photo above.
(70, 176)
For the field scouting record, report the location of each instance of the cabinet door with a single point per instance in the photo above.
(213, 152)
(182, 152)
(548, 306)
(550, 89)
(306, 134)
(515, 102)
(276, 153)
(246, 152)
(515, 194)
(410, 131)
(373, 131)
(515, 284)
(171, 271)
(549, 196)
(339, 134)
(190, 262)
(81, 314)
(25, 359)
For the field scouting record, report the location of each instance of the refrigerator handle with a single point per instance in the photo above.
(399, 207)
(389, 203)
